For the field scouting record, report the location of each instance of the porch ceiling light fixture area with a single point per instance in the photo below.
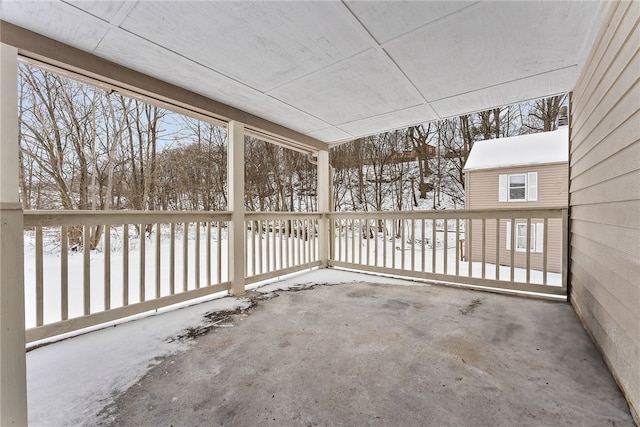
(331, 71)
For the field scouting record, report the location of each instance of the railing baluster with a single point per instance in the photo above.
(544, 251)
(172, 259)
(413, 244)
(300, 242)
(337, 237)
(280, 241)
(384, 242)
(64, 272)
(125, 265)
(86, 252)
(403, 236)
(469, 236)
(353, 241)
(247, 247)
(260, 248)
(565, 247)
(143, 242)
(344, 229)
(39, 277)
(310, 234)
(446, 246)
(312, 229)
(197, 255)
(367, 237)
(307, 240)
(528, 262)
(294, 241)
(359, 240)
(185, 256)
(253, 248)
(423, 245)
(513, 249)
(289, 248)
(270, 248)
(107, 267)
(458, 247)
(393, 244)
(314, 239)
(207, 250)
(219, 253)
(434, 245)
(376, 223)
(158, 260)
(497, 248)
(484, 247)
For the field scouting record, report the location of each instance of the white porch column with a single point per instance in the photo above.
(13, 385)
(323, 206)
(235, 179)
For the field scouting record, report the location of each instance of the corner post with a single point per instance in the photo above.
(235, 180)
(13, 387)
(323, 206)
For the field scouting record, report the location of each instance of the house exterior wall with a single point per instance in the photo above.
(482, 189)
(605, 196)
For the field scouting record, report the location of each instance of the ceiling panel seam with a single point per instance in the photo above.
(442, 19)
(302, 111)
(506, 82)
(257, 91)
(316, 71)
(379, 115)
(79, 9)
(191, 60)
(385, 56)
(123, 13)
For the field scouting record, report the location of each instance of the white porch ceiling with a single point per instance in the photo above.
(334, 70)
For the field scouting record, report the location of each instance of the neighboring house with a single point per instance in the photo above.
(528, 171)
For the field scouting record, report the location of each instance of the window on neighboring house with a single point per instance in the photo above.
(537, 237)
(518, 187)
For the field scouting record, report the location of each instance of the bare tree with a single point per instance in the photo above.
(543, 114)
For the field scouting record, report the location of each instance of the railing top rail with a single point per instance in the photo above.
(59, 218)
(557, 212)
(282, 215)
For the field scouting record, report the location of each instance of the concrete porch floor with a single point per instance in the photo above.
(381, 354)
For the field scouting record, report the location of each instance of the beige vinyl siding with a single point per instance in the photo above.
(482, 188)
(482, 193)
(605, 196)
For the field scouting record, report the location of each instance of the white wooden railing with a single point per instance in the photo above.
(148, 260)
(144, 261)
(280, 243)
(469, 247)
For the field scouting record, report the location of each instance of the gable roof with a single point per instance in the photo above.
(532, 149)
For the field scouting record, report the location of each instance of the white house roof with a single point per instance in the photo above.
(333, 70)
(532, 149)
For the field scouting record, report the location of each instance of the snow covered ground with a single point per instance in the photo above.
(71, 381)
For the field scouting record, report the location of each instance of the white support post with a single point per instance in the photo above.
(235, 179)
(13, 386)
(323, 206)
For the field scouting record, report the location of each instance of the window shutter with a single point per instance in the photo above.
(502, 188)
(508, 234)
(539, 237)
(532, 186)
